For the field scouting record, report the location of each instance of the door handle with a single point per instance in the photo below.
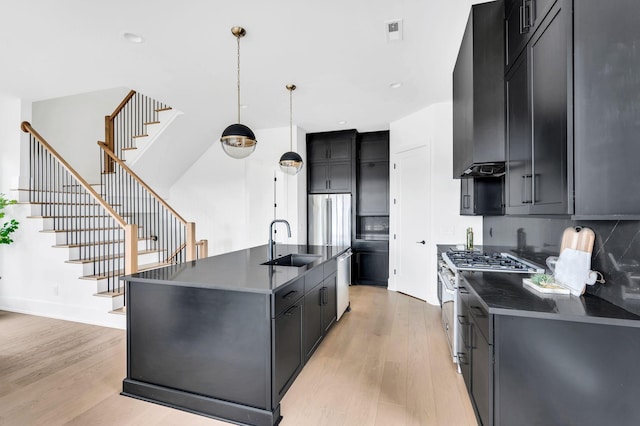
(423, 242)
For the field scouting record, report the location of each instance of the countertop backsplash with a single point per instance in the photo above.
(616, 252)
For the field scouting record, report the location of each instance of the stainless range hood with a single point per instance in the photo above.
(495, 169)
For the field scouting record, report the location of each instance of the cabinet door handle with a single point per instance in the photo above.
(466, 201)
(291, 310)
(325, 295)
(525, 17)
(480, 311)
(290, 295)
(462, 319)
(525, 199)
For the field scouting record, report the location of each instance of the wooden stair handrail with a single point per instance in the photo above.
(126, 99)
(27, 128)
(108, 128)
(111, 155)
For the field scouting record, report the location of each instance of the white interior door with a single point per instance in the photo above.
(413, 219)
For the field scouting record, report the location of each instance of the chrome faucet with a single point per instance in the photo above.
(272, 243)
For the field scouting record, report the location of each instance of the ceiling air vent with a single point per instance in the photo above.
(393, 30)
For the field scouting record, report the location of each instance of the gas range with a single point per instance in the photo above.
(450, 266)
(470, 260)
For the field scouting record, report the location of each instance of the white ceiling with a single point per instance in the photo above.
(335, 51)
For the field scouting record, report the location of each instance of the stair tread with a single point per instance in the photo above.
(97, 243)
(146, 267)
(130, 148)
(111, 257)
(113, 293)
(54, 231)
(119, 311)
(151, 122)
(164, 109)
(66, 204)
(140, 136)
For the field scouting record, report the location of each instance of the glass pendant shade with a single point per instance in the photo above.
(291, 163)
(238, 141)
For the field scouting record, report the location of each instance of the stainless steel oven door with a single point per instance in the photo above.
(449, 301)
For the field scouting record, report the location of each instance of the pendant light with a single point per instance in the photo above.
(291, 162)
(238, 141)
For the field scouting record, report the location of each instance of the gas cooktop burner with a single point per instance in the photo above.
(469, 260)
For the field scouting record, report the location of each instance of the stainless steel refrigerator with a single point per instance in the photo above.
(330, 219)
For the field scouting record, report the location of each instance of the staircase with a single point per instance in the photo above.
(115, 227)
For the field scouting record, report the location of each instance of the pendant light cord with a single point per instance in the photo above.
(238, 79)
(290, 120)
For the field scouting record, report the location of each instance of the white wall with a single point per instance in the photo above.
(232, 201)
(432, 127)
(74, 124)
(35, 278)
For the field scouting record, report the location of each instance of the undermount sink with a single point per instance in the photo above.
(294, 259)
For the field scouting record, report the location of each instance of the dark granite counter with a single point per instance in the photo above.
(504, 294)
(240, 270)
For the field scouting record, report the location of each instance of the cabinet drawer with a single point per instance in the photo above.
(330, 267)
(287, 296)
(313, 278)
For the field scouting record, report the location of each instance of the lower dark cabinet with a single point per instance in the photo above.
(288, 351)
(480, 374)
(320, 311)
(371, 262)
(329, 305)
(313, 320)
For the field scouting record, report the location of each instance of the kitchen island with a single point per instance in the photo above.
(226, 336)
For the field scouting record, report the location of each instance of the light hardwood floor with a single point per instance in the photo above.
(384, 363)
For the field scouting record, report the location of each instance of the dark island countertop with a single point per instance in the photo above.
(504, 294)
(240, 270)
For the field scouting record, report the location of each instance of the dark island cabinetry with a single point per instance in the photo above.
(226, 336)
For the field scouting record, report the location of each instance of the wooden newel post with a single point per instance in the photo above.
(108, 136)
(192, 251)
(131, 249)
(204, 249)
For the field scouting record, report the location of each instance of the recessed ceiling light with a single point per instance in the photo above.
(342, 122)
(133, 38)
(395, 85)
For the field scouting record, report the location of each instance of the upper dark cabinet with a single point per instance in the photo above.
(478, 91)
(523, 18)
(373, 173)
(606, 109)
(330, 146)
(537, 121)
(481, 196)
(330, 158)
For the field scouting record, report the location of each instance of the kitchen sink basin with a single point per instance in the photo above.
(294, 259)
